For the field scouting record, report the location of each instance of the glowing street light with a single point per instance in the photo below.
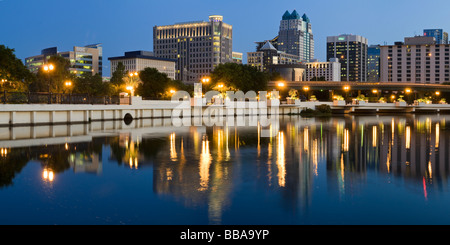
(131, 90)
(281, 84)
(205, 80)
(346, 89)
(438, 93)
(48, 67)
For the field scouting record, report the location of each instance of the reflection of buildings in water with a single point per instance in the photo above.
(410, 149)
(131, 155)
(85, 163)
(219, 156)
(195, 169)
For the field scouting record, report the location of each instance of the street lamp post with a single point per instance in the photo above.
(48, 68)
(68, 85)
(407, 91)
(281, 85)
(205, 81)
(346, 89)
(375, 92)
(130, 86)
(306, 89)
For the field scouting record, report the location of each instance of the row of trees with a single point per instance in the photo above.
(148, 83)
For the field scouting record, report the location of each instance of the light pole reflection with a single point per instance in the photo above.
(48, 175)
(205, 162)
(281, 161)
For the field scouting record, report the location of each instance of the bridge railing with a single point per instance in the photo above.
(56, 98)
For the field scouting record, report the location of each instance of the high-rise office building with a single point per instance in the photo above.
(373, 63)
(198, 46)
(136, 61)
(351, 50)
(87, 59)
(415, 61)
(295, 36)
(440, 36)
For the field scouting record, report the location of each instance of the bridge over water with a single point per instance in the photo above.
(355, 86)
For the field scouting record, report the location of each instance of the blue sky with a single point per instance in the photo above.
(29, 26)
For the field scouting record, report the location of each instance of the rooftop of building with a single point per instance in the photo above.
(211, 18)
(294, 16)
(141, 54)
(268, 46)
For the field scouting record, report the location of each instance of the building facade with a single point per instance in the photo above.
(198, 47)
(414, 61)
(439, 35)
(136, 61)
(289, 72)
(269, 55)
(373, 63)
(323, 71)
(351, 50)
(87, 59)
(237, 57)
(295, 36)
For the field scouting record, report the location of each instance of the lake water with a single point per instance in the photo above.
(293, 171)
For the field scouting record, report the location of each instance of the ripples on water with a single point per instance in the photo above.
(339, 170)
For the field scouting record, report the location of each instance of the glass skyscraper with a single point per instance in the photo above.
(373, 63)
(438, 34)
(351, 50)
(295, 36)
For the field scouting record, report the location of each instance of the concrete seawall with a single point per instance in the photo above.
(54, 114)
(44, 114)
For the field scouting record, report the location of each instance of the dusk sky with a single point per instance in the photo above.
(29, 26)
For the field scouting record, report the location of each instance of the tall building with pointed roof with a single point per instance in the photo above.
(267, 55)
(295, 35)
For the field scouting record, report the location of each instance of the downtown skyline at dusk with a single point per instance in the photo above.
(224, 121)
(30, 26)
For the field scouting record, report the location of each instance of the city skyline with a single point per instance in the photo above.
(29, 26)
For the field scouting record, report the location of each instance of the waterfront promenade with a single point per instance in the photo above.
(43, 114)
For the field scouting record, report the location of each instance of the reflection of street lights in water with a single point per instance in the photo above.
(48, 175)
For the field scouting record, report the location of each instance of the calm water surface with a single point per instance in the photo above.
(339, 170)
